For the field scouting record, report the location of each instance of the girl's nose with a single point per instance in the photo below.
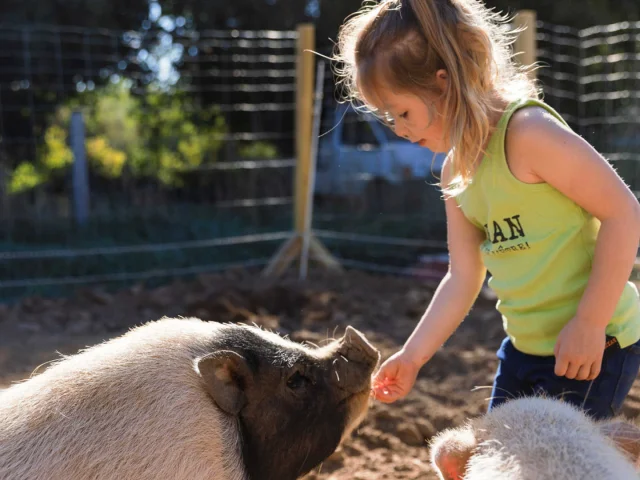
(401, 131)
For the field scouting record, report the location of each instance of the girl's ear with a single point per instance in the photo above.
(442, 79)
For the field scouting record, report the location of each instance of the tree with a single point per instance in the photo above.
(153, 136)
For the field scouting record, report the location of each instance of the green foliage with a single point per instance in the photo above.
(56, 153)
(25, 177)
(179, 138)
(259, 150)
(152, 135)
(54, 156)
(110, 161)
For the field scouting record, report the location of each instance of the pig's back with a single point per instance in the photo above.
(544, 440)
(130, 408)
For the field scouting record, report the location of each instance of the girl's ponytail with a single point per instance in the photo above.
(459, 35)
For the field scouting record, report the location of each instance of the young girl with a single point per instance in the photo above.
(525, 198)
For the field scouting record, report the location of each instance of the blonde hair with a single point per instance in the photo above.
(401, 44)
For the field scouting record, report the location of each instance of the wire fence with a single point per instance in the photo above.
(187, 140)
(592, 76)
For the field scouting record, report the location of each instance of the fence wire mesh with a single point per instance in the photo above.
(592, 76)
(189, 145)
(188, 141)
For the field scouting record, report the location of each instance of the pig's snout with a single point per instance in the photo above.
(355, 361)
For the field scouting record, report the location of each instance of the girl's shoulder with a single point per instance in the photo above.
(531, 116)
(536, 117)
(534, 123)
(533, 135)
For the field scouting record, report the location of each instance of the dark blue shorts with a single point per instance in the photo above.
(520, 374)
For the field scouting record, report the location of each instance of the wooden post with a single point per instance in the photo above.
(304, 119)
(526, 46)
(311, 177)
(303, 196)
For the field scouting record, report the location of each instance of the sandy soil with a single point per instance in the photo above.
(392, 442)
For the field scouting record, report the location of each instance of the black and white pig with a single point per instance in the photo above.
(186, 399)
(537, 438)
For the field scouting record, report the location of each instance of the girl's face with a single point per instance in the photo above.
(417, 119)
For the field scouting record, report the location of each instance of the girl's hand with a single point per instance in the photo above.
(579, 350)
(395, 378)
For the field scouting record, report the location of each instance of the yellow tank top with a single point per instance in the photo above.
(538, 250)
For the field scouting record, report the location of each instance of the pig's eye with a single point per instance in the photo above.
(297, 381)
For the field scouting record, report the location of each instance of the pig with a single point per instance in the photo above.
(187, 399)
(537, 438)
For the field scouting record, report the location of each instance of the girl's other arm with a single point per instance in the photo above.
(542, 149)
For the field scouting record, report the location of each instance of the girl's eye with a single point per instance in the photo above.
(404, 115)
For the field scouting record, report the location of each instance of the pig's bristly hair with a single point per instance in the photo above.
(537, 437)
(71, 436)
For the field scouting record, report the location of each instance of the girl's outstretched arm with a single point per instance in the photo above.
(540, 148)
(450, 304)
(458, 290)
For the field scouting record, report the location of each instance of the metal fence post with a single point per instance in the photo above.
(306, 227)
(80, 174)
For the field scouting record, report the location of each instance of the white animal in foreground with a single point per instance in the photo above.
(184, 399)
(535, 438)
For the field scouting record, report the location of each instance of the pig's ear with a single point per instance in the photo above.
(625, 436)
(225, 373)
(451, 450)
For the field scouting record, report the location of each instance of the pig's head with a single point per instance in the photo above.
(534, 437)
(294, 404)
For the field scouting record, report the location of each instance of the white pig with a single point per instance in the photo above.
(537, 438)
(184, 399)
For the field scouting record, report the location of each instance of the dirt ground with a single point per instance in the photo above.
(392, 442)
